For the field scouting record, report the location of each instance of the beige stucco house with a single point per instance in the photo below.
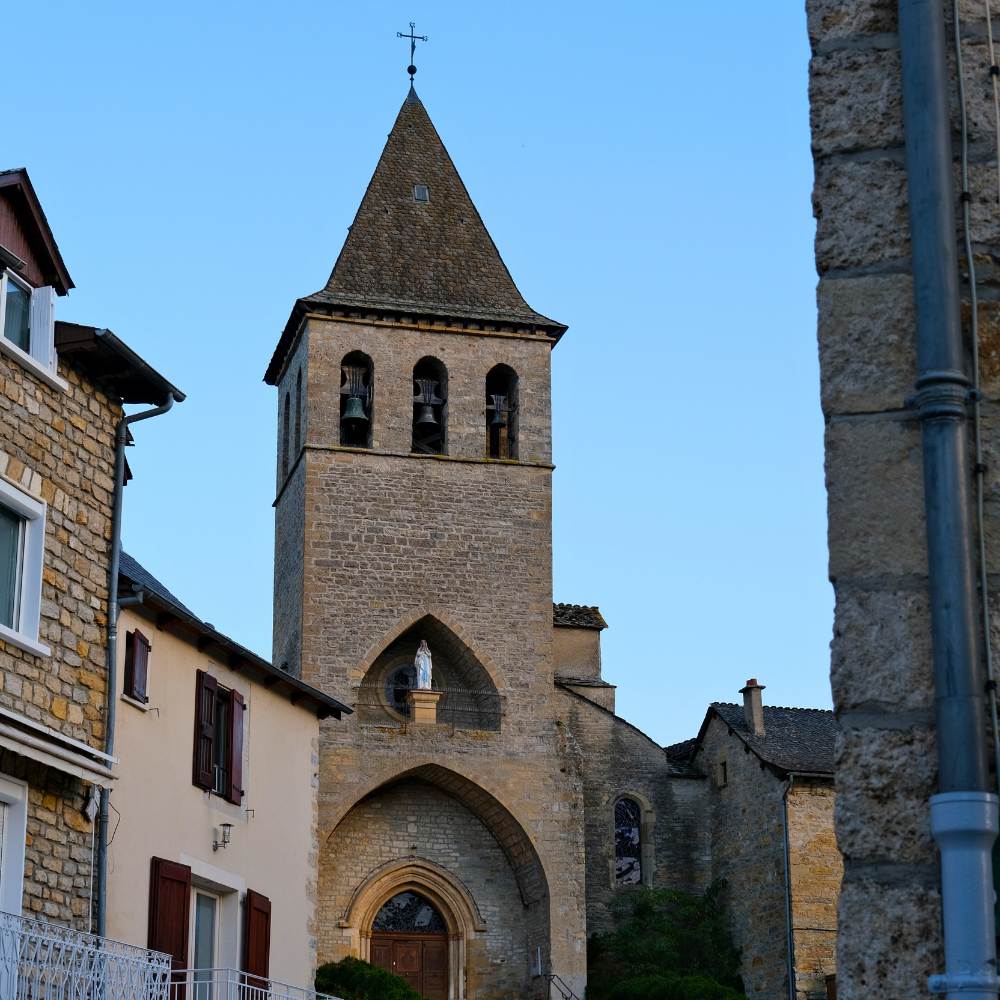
(213, 859)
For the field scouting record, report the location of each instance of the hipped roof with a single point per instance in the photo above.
(432, 259)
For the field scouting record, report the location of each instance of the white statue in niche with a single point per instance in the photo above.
(422, 662)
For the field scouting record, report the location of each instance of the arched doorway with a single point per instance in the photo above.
(410, 938)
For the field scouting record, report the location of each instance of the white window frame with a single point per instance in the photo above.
(28, 608)
(14, 795)
(196, 891)
(40, 358)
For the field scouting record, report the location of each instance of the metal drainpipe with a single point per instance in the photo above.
(121, 438)
(963, 814)
(789, 938)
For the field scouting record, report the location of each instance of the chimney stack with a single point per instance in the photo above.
(753, 706)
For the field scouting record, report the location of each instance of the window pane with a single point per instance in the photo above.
(628, 822)
(204, 943)
(220, 744)
(11, 541)
(18, 309)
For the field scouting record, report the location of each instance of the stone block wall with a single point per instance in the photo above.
(389, 538)
(816, 871)
(747, 846)
(58, 446)
(889, 940)
(616, 759)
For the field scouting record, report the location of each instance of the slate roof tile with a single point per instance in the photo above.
(795, 739)
(577, 616)
(431, 258)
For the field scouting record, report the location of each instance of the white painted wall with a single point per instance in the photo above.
(160, 813)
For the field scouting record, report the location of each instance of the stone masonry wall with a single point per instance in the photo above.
(59, 447)
(816, 872)
(414, 818)
(289, 535)
(748, 854)
(889, 939)
(617, 759)
(390, 537)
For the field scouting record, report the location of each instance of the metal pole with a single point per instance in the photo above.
(121, 439)
(964, 813)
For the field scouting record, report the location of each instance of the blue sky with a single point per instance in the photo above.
(646, 177)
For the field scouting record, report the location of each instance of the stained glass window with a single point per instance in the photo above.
(407, 911)
(400, 681)
(628, 855)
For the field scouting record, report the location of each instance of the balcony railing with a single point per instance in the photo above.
(43, 961)
(460, 708)
(228, 984)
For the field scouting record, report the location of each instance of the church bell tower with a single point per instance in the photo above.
(413, 504)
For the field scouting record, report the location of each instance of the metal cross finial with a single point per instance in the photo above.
(411, 69)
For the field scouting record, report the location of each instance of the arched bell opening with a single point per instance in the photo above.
(468, 697)
(501, 412)
(430, 407)
(356, 400)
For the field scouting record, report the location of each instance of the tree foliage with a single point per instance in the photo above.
(667, 946)
(352, 979)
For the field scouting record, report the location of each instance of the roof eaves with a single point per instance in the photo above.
(296, 690)
(94, 344)
(18, 178)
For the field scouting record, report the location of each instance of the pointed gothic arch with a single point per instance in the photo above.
(507, 830)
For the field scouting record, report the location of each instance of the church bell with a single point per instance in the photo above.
(425, 399)
(499, 419)
(425, 416)
(354, 412)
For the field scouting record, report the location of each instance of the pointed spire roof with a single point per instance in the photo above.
(431, 258)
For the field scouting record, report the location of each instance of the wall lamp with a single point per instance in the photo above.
(226, 830)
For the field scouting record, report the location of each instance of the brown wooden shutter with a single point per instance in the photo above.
(237, 709)
(257, 939)
(136, 666)
(206, 689)
(169, 910)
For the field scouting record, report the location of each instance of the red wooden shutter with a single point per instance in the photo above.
(237, 709)
(169, 909)
(257, 938)
(206, 689)
(140, 666)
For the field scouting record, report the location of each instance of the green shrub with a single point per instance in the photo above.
(352, 979)
(667, 946)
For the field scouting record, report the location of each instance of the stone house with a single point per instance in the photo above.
(202, 869)
(473, 832)
(63, 389)
(770, 775)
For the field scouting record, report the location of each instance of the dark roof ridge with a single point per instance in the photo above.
(783, 708)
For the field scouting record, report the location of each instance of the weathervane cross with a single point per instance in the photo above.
(411, 69)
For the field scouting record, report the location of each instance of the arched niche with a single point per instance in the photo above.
(469, 698)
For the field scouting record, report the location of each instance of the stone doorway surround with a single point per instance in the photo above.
(447, 893)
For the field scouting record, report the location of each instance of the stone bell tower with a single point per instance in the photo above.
(414, 502)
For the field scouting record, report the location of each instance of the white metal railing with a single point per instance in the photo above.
(43, 961)
(229, 984)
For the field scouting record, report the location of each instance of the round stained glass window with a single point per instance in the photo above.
(401, 680)
(407, 911)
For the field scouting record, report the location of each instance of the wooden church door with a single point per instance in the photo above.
(410, 939)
